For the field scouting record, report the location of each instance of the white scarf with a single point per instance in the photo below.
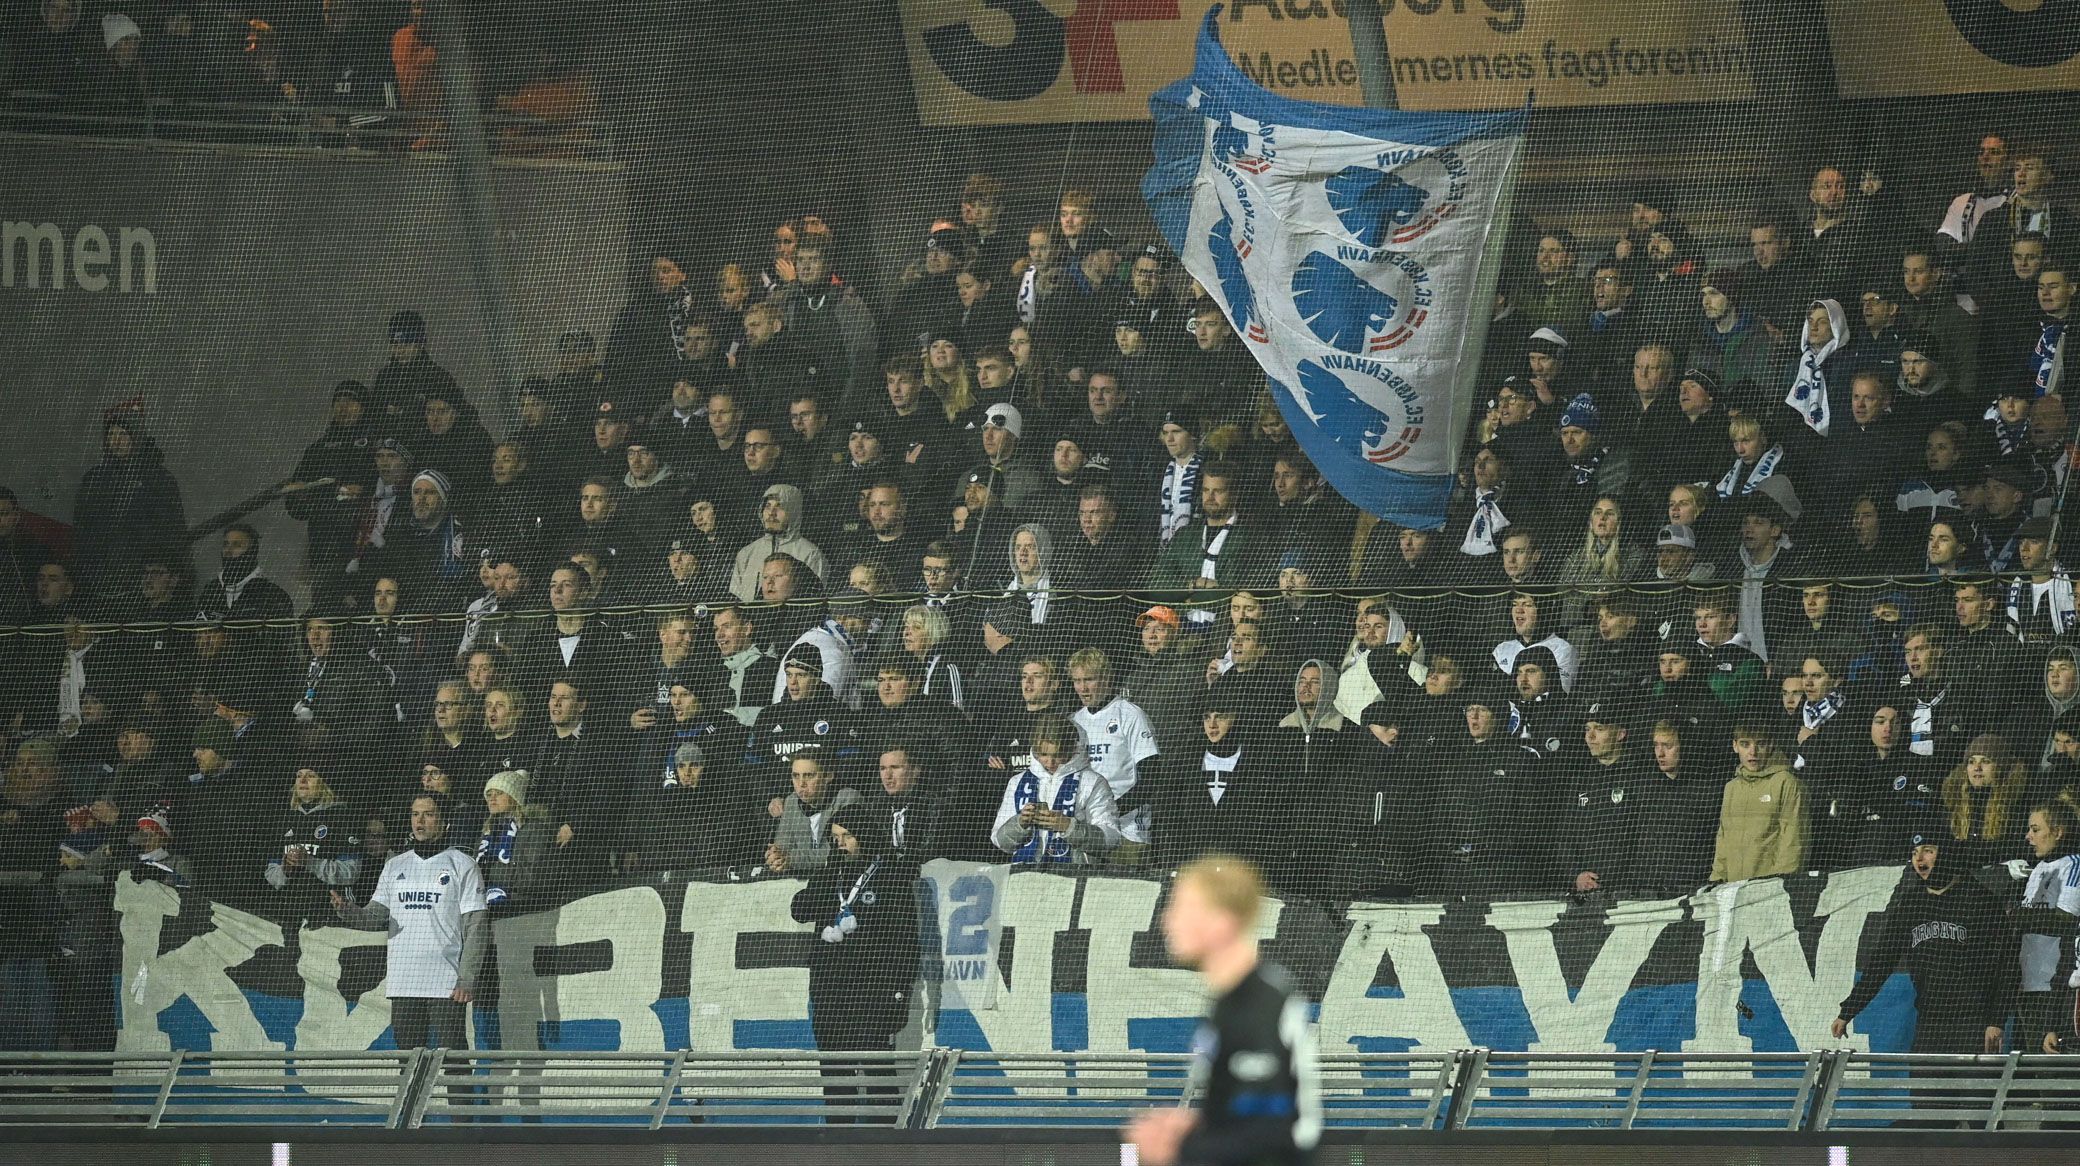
(2023, 602)
(386, 503)
(1180, 492)
(71, 686)
(1488, 522)
(1808, 392)
(1765, 468)
(1029, 295)
(1214, 540)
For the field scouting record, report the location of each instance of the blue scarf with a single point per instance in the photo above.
(497, 843)
(2045, 355)
(1028, 792)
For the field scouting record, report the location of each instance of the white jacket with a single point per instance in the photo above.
(1096, 829)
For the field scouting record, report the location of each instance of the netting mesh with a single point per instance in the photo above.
(647, 450)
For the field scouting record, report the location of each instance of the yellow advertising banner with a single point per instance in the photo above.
(976, 62)
(1905, 48)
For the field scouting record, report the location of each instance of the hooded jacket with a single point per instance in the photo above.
(1819, 389)
(1095, 832)
(1042, 603)
(789, 540)
(1762, 825)
(1333, 797)
(127, 508)
(2030, 726)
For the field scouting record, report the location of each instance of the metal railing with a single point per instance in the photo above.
(1828, 1090)
(303, 126)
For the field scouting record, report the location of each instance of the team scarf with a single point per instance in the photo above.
(1815, 713)
(2043, 359)
(1808, 392)
(1583, 472)
(2058, 596)
(844, 923)
(1488, 522)
(1921, 723)
(1029, 295)
(1180, 496)
(498, 841)
(2011, 438)
(1765, 468)
(1056, 848)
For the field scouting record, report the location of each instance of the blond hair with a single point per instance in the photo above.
(2007, 792)
(1231, 885)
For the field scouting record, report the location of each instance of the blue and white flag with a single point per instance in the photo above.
(1350, 249)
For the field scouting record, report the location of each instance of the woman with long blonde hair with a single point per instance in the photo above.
(947, 377)
(1985, 798)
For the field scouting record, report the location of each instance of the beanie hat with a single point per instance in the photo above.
(1580, 414)
(864, 821)
(1702, 378)
(159, 821)
(407, 327)
(438, 480)
(510, 782)
(1479, 691)
(807, 657)
(1541, 656)
(1992, 745)
(1548, 341)
(688, 754)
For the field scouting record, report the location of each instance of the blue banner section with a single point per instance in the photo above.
(1348, 247)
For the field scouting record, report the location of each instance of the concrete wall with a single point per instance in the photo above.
(271, 276)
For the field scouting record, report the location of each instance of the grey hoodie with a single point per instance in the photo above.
(1326, 719)
(743, 577)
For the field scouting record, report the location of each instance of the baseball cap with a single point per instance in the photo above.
(1159, 614)
(1005, 417)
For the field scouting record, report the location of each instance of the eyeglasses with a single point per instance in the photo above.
(936, 572)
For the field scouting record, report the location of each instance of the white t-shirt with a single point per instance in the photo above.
(1120, 739)
(427, 898)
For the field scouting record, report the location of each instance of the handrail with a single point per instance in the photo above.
(295, 125)
(931, 1088)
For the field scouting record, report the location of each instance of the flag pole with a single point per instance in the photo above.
(1369, 48)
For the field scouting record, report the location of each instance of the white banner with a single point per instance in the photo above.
(970, 930)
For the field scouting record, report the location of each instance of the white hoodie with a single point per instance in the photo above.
(1096, 829)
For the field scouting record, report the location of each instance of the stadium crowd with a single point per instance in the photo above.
(1753, 570)
(355, 65)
